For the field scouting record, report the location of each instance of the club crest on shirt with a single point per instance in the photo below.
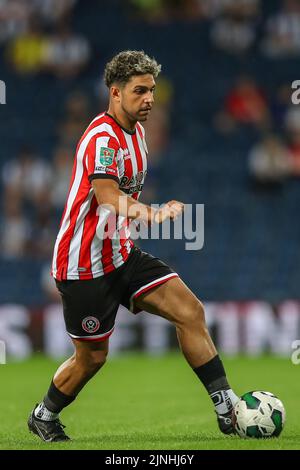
(90, 324)
(106, 156)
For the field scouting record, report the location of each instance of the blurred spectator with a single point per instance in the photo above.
(269, 161)
(67, 53)
(157, 133)
(15, 229)
(36, 191)
(292, 123)
(233, 33)
(49, 286)
(27, 176)
(280, 102)
(102, 94)
(182, 9)
(292, 120)
(62, 168)
(56, 341)
(157, 11)
(77, 107)
(245, 104)
(52, 11)
(27, 53)
(150, 10)
(282, 35)
(213, 8)
(43, 232)
(164, 91)
(294, 149)
(14, 17)
(246, 8)
(75, 120)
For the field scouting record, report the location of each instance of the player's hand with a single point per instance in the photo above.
(171, 210)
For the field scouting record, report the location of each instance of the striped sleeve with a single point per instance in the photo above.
(102, 157)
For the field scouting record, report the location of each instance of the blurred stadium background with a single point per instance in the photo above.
(224, 132)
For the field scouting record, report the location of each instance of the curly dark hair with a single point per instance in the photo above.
(126, 64)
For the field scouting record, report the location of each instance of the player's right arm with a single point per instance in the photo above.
(107, 193)
(101, 159)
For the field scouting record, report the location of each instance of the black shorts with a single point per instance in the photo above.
(90, 306)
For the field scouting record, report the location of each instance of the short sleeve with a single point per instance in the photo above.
(102, 157)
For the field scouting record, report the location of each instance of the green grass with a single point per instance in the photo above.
(140, 402)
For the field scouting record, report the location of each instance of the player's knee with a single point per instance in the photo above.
(198, 315)
(193, 315)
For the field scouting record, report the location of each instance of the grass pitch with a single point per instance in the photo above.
(141, 402)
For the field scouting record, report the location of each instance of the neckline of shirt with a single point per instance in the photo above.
(123, 128)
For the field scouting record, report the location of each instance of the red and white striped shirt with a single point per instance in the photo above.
(106, 150)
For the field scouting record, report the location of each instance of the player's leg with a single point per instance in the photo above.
(89, 307)
(75, 372)
(174, 301)
(69, 379)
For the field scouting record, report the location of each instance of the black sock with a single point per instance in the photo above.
(212, 375)
(55, 400)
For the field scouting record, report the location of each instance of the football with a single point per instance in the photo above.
(259, 414)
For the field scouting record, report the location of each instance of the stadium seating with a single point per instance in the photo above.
(251, 237)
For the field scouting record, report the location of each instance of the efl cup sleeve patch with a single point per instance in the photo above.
(102, 158)
(106, 156)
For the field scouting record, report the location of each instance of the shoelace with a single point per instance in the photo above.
(58, 426)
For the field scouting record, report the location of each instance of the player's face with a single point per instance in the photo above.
(136, 97)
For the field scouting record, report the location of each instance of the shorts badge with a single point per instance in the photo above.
(90, 324)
